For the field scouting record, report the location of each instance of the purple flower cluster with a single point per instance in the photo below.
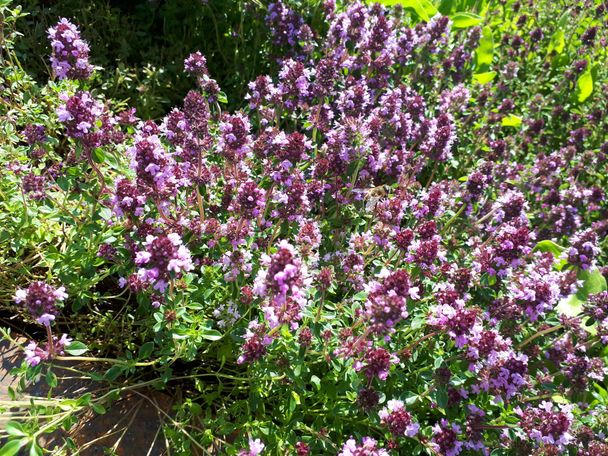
(162, 257)
(34, 186)
(79, 113)
(255, 448)
(41, 299)
(367, 447)
(286, 26)
(70, 57)
(283, 282)
(387, 301)
(583, 249)
(445, 438)
(342, 206)
(196, 65)
(546, 426)
(376, 362)
(597, 309)
(255, 343)
(398, 420)
(35, 354)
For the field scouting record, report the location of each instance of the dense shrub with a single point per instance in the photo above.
(395, 245)
(141, 45)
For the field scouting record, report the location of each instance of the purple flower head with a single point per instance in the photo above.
(309, 237)
(368, 399)
(34, 353)
(34, 186)
(398, 420)
(255, 448)
(250, 200)
(294, 83)
(457, 320)
(40, 299)
(583, 249)
(261, 92)
(80, 114)
(367, 447)
(234, 142)
(284, 282)
(292, 200)
(236, 262)
(255, 343)
(538, 290)
(440, 136)
(376, 362)
(162, 256)
(196, 111)
(505, 374)
(286, 25)
(546, 426)
(445, 438)
(154, 166)
(127, 200)
(70, 55)
(34, 134)
(387, 300)
(196, 65)
(292, 148)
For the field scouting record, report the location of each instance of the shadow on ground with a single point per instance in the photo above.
(132, 425)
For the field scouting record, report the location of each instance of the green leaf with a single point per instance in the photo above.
(361, 296)
(463, 19)
(557, 43)
(14, 428)
(76, 348)
(222, 98)
(13, 447)
(51, 379)
(113, 373)
(485, 51)
(424, 9)
(549, 246)
(593, 282)
(584, 85)
(99, 409)
(211, 334)
(484, 78)
(296, 397)
(146, 350)
(35, 450)
(99, 155)
(441, 397)
(511, 121)
(558, 399)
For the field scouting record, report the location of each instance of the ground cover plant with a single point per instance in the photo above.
(395, 243)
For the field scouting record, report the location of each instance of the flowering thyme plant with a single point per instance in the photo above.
(386, 250)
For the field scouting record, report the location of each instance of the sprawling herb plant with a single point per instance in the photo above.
(395, 246)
